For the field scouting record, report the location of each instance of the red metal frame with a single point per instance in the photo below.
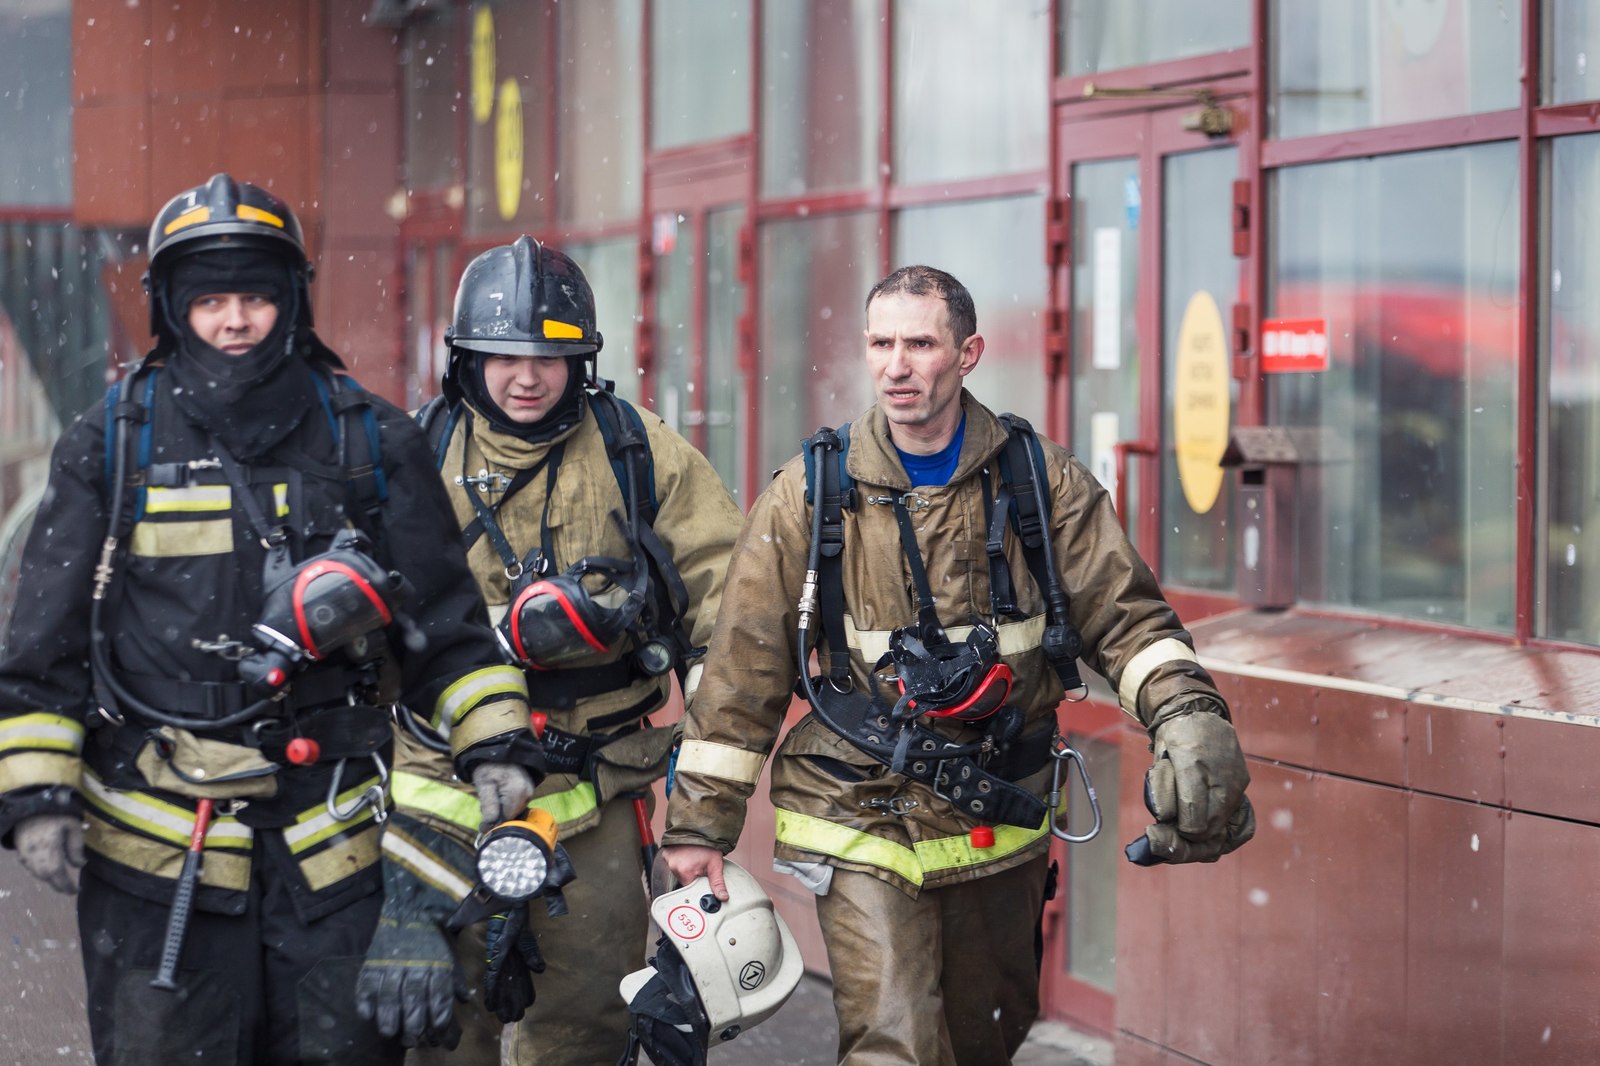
(1528, 398)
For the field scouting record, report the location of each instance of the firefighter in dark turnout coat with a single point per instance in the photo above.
(277, 567)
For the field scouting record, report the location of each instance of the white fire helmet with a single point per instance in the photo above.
(719, 967)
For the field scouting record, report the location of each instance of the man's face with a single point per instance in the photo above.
(233, 322)
(524, 387)
(916, 364)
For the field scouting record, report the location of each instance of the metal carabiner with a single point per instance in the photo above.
(373, 796)
(1062, 753)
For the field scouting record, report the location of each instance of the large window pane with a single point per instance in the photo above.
(1101, 35)
(820, 110)
(35, 103)
(1338, 65)
(970, 95)
(815, 273)
(1572, 51)
(598, 176)
(724, 399)
(1105, 344)
(1412, 260)
(428, 61)
(612, 268)
(1569, 565)
(994, 247)
(508, 142)
(1200, 277)
(1092, 870)
(699, 71)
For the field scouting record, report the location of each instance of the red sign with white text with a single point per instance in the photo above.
(1294, 345)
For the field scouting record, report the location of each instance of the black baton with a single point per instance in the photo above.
(183, 900)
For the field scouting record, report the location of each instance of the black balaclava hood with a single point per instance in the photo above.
(249, 402)
(562, 416)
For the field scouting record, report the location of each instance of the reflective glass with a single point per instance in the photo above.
(820, 107)
(672, 396)
(1412, 262)
(724, 401)
(969, 89)
(1199, 283)
(1101, 35)
(994, 248)
(597, 176)
(509, 137)
(612, 268)
(815, 274)
(1572, 51)
(699, 71)
(1106, 203)
(1092, 870)
(429, 61)
(1568, 588)
(1336, 65)
(36, 103)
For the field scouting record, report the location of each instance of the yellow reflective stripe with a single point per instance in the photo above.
(1148, 661)
(341, 860)
(436, 798)
(188, 218)
(42, 732)
(164, 540)
(721, 761)
(28, 769)
(160, 818)
(1014, 638)
(318, 824)
(475, 688)
(948, 853)
(842, 842)
(255, 214)
(222, 869)
(189, 498)
(567, 806)
(427, 868)
(280, 498)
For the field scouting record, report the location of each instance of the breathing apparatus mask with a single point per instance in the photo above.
(588, 609)
(942, 678)
(340, 600)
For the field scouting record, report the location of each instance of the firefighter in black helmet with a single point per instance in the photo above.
(599, 538)
(254, 556)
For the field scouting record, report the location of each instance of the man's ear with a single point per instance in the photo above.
(971, 352)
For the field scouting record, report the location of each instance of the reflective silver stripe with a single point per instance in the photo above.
(469, 691)
(1016, 638)
(318, 824)
(53, 732)
(720, 760)
(1142, 665)
(158, 817)
(408, 853)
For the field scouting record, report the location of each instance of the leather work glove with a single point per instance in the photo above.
(1195, 790)
(51, 849)
(410, 981)
(513, 957)
(504, 790)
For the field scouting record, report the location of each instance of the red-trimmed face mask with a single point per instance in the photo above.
(964, 680)
(555, 622)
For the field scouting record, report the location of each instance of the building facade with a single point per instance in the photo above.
(1308, 284)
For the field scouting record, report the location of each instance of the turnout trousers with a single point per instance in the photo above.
(950, 978)
(257, 989)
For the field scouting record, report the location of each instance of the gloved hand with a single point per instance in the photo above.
(410, 980)
(513, 957)
(504, 790)
(1195, 790)
(51, 849)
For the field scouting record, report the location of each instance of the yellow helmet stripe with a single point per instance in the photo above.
(255, 214)
(188, 218)
(554, 330)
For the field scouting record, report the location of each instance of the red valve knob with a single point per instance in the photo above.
(276, 677)
(303, 751)
(982, 836)
(538, 719)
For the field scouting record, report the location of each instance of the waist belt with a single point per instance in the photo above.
(562, 689)
(347, 731)
(218, 699)
(984, 791)
(573, 753)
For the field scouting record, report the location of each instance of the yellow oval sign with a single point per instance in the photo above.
(482, 63)
(1201, 401)
(508, 150)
